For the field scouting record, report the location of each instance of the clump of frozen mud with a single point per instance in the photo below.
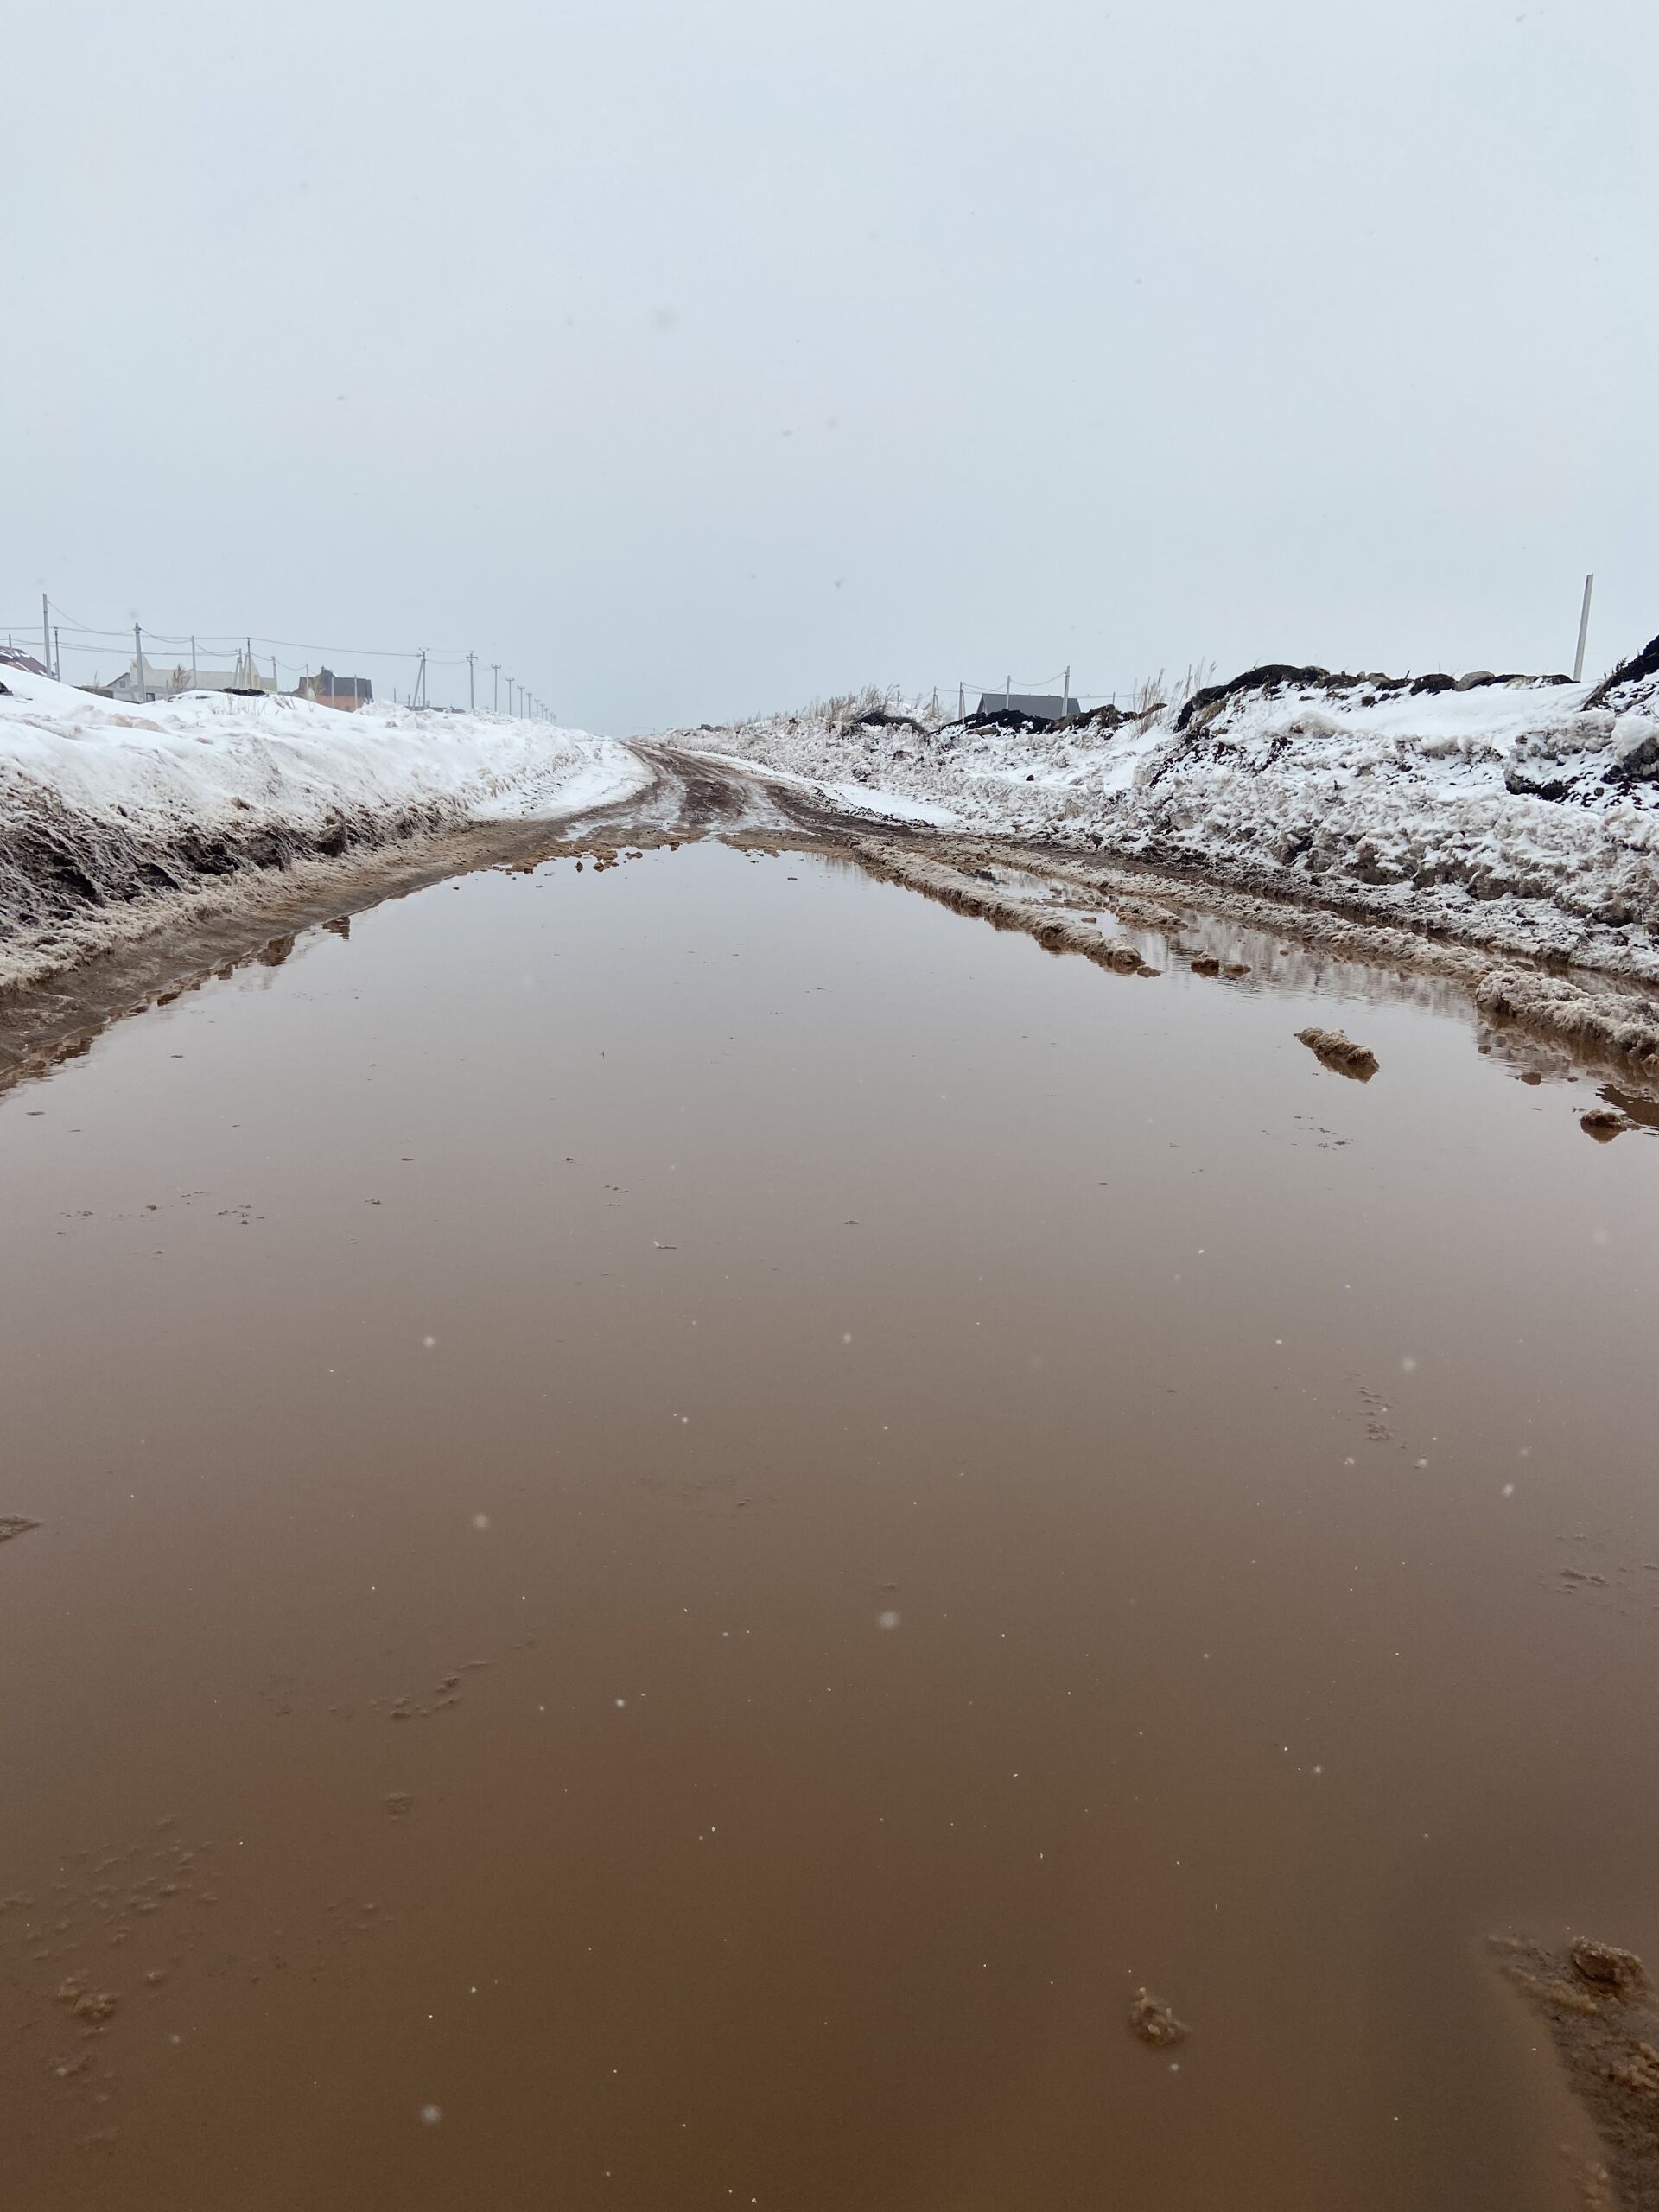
(1336, 1050)
(1153, 2022)
(1599, 2004)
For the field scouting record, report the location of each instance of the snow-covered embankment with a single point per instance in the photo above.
(115, 820)
(1520, 814)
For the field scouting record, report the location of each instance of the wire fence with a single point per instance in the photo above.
(140, 665)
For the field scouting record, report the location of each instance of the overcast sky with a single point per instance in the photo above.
(689, 357)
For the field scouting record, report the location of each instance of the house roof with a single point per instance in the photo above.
(1043, 707)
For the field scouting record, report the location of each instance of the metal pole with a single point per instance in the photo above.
(46, 634)
(1065, 692)
(1008, 695)
(471, 701)
(57, 653)
(962, 702)
(138, 659)
(1584, 629)
(495, 687)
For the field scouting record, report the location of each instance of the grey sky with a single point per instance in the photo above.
(695, 356)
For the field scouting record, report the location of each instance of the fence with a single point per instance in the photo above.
(143, 664)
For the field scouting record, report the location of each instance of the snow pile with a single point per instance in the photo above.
(1517, 811)
(108, 812)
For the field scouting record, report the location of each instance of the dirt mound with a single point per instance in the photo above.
(1631, 682)
(1268, 677)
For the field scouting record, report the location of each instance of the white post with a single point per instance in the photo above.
(1584, 629)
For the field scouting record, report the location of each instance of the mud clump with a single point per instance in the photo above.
(1608, 1967)
(1604, 1124)
(1336, 1050)
(1152, 2021)
(1598, 2003)
(14, 1524)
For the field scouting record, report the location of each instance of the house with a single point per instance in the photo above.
(143, 680)
(347, 692)
(1035, 706)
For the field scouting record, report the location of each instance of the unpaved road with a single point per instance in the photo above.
(1095, 908)
(692, 1513)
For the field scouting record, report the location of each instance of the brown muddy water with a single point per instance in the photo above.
(691, 1519)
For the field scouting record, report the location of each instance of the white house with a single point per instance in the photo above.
(143, 680)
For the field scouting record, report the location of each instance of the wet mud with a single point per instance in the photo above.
(707, 1535)
(1599, 2004)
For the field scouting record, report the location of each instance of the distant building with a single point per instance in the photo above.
(1035, 706)
(348, 693)
(143, 680)
(15, 656)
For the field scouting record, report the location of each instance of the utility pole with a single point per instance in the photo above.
(193, 664)
(495, 687)
(1066, 694)
(1584, 629)
(57, 653)
(962, 702)
(1007, 694)
(471, 701)
(138, 660)
(46, 633)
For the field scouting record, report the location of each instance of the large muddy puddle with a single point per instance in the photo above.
(691, 1518)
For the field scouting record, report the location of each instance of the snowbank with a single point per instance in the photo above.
(1520, 812)
(111, 816)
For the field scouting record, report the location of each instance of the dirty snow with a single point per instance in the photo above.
(1520, 812)
(110, 814)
